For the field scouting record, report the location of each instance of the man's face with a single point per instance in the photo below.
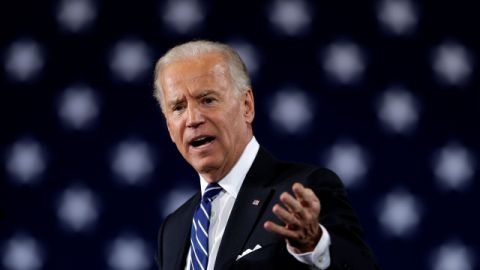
(208, 120)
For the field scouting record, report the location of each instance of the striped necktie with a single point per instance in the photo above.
(199, 231)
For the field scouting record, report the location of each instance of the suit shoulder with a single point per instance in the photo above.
(183, 209)
(305, 169)
(310, 172)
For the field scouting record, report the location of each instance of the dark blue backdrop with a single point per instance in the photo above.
(385, 93)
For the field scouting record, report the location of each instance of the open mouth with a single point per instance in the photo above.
(202, 141)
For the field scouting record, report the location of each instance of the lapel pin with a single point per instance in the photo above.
(255, 202)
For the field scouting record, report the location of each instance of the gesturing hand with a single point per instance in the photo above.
(300, 215)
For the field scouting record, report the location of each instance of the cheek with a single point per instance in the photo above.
(232, 130)
(175, 133)
(236, 122)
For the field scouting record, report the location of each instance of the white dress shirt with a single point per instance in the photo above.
(319, 258)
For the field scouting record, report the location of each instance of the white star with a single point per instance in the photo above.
(76, 15)
(344, 62)
(349, 161)
(291, 17)
(173, 199)
(78, 107)
(130, 60)
(397, 16)
(77, 209)
(24, 60)
(26, 161)
(291, 110)
(399, 213)
(249, 55)
(128, 253)
(452, 63)
(453, 256)
(398, 110)
(453, 165)
(132, 161)
(183, 15)
(22, 253)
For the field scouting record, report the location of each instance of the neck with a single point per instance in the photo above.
(215, 175)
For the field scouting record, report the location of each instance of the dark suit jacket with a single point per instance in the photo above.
(265, 181)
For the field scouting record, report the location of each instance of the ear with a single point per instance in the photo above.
(248, 106)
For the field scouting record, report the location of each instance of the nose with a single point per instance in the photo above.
(194, 116)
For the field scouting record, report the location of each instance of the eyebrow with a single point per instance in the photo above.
(205, 93)
(175, 101)
(199, 96)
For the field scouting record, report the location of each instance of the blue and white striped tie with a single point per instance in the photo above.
(199, 232)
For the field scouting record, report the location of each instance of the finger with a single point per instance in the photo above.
(280, 230)
(292, 205)
(287, 217)
(305, 195)
(299, 191)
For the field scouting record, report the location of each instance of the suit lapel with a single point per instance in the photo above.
(252, 199)
(180, 246)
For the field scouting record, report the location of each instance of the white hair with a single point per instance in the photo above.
(236, 67)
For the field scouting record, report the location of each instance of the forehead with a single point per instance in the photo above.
(207, 68)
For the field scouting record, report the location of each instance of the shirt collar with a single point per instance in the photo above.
(232, 182)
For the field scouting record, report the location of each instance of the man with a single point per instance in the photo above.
(245, 216)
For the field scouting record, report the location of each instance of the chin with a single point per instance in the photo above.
(205, 166)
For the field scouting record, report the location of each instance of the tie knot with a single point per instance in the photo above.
(211, 192)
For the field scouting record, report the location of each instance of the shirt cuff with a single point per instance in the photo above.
(319, 258)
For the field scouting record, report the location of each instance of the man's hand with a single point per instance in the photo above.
(300, 215)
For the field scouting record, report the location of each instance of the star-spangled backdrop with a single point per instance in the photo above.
(385, 93)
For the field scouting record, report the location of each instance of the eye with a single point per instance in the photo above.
(178, 107)
(208, 100)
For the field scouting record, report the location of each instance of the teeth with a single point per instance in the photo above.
(201, 138)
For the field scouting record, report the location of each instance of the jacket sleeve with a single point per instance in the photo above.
(347, 249)
(159, 251)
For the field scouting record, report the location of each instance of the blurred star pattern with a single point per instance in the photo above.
(385, 93)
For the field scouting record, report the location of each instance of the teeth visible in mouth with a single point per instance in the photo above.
(202, 140)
